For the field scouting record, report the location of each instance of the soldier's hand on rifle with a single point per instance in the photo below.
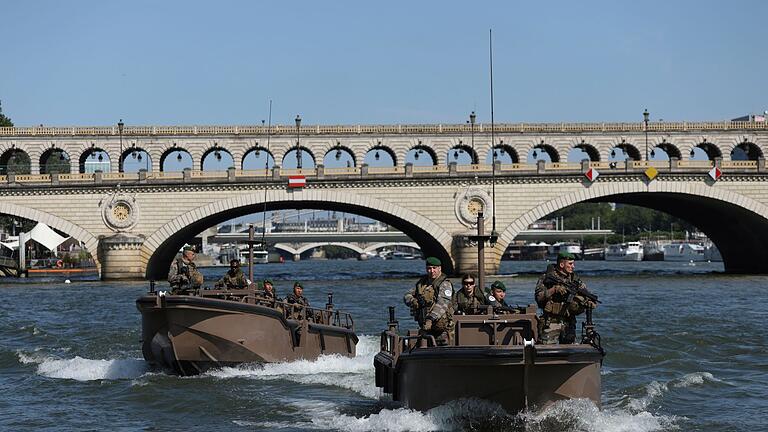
(428, 325)
(590, 304)
(559, 289)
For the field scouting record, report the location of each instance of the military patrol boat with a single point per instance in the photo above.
(492, 356)
(211, 328)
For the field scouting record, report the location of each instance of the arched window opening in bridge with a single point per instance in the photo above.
(503, 154)
(544, 152)
(663, 152)
(421, 155)
(175, 160)
(746, 151)
(258, 158)
(461, 154)
(380, 156)
(137, 159)
(705, 151)
(583, 152)
(54, 160)
(15, 161)
(217, 159)
(624, 152)
(95, 159)
(290, 160)
(339, 157)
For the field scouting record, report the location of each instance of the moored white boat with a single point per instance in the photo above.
(684, 252)
(631, 251)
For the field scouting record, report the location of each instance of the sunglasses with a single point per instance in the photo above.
(468, 282)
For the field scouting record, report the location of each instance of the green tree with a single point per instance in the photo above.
(4, 121)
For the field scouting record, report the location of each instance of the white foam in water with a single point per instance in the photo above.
(354, 373)
(83, 369)
(656, 389)
(583, 415)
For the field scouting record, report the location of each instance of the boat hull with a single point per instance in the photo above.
(426, 378)
(189, 334)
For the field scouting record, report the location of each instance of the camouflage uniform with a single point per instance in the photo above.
(463, 304)
(436, 297)
(233, 280)
(184, 277)
(501, 307)
(559, 318)
(298, 303)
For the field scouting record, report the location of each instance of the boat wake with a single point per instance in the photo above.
(83, 369)
(655, 390)
(354, 373)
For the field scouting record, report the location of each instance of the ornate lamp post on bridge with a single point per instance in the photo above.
(298, 147)
(120, 126)
(645, 121)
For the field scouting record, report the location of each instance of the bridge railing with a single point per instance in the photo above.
(739, 164)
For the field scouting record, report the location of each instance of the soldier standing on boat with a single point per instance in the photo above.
(496, 299)
(430, 302)
(469, 299)
(234, 278)
(298, 301)
(269, 291)
(183, 275)
(559, 318)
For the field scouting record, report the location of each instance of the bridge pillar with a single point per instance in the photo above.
(464, 253)
(297, 257)
(120, 257)
(362, 257)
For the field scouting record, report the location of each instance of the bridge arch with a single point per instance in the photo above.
(670, 149)
(309, 246)
(15, 160)
(746, 150)
(736, 224)
(377, 152)
(217, 152)
(164, 243)
(333, 155)
(499, 151)
(589, 149)
(710, 149)
(377, 246)
(294, 153)
(554, 156)
(178, 153)
(90, 241)
(629, 150)
(259, 153)
(456, 153)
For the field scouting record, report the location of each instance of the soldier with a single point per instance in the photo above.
(183, 275)
(234, 278)
(469, 298)
(269, 291)
(297, 299)
(496, 299)
(559, 317)
(430, 302)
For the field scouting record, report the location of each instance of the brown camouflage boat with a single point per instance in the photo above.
(492, 357)
(212, 328)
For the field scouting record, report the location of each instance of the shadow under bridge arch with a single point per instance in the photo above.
(737, 225)
(163, 245)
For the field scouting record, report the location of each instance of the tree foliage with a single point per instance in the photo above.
(4, 121)
(625, 219)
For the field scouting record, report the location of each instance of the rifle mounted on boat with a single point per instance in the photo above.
(574, 288)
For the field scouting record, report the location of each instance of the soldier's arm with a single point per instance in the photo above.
(443, 301)
(174, 277)
(409, 298)
(542, 294)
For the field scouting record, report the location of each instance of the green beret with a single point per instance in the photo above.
(268, 281)
(298, 284)
(433, 261)
(188, 248)
(565, 256)
(499, 285)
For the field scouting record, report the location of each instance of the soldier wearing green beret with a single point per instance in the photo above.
(234, 278)
(297, 301)
(183, 274)
(430, 302)
(559, 318)
(496, 299)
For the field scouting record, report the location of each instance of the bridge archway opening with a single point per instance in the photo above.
(16, 161)
(461, 154)
(54, 160)
(137, 159)
(216, 159)
(339, 157)
(503, 153)
(257, 158)
(94, 159)
(421, 155)
(290, 160)
(746, 151)
(425, 235)
(705, 151)
(380, 156)
(624, 152)
(544, 152)
(175, 159)
(664, 152)
(583, 152)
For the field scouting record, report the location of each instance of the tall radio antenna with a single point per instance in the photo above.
(494, 234)
(266, 176)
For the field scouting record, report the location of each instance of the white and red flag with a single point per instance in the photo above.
(297, 181)
(592, 174)
(715, 173)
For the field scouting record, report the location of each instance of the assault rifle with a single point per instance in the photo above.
(574, 288)
(420, 312)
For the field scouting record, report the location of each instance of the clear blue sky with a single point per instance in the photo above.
(351, 62)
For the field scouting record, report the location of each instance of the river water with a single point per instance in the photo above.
(687, 350)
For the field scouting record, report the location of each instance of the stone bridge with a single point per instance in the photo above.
(135, 222)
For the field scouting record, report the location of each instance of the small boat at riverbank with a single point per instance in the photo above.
(630, 251)
(492, 357)
(189, 334)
